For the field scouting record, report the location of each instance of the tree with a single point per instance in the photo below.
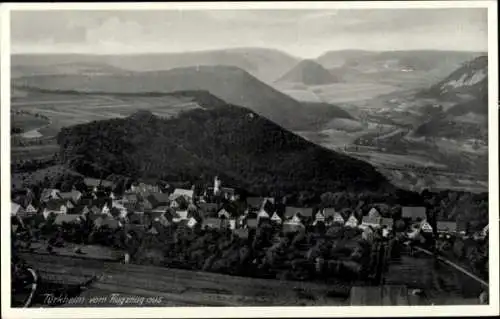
(328, 199)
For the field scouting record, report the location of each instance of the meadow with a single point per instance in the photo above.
(70, 109)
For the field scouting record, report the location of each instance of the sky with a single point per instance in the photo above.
(303, 33)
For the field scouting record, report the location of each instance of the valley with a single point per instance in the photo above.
(381, 112)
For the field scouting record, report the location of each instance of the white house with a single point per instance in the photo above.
(187, 193)
(224, 213)
(319, 217)
(425, 226)
(352, 222)
(276, 218)
(262, 214)
(55, 207)
(191, 222)
(30, 209)
(105, 210)
(15, 209)
(369, 221)
(338, 219)
(181, 215)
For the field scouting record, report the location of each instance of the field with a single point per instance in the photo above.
(337, 92)
(68, 109)
(179, 287)
(442, 284)
(27, 122)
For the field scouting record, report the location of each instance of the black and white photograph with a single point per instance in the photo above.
(178, 157)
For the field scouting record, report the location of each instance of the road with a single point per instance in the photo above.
(457, 267)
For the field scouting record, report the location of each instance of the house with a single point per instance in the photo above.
(330, 213)
(292, 225)
(67, 219)
(373, 213)
(120, 208)
(186, 193)
(212, 223)
(69, 204)
(223, 213)
(352, 222)
(338, 219)
(159, 199)
(485, 231)
(367, 234)
(413, 213)
(179, 201)
(369, 221)
(55, 207)
(319, 217)
(276, 218)
(444, 227)
(425, 226)
(208, 209)
(94, 184)
(262, 214)
(74, 196)
(130, 198)
(106, 210)
(16, 209)
(31, 210)
(180, 215)
(49, 194)
(192, 222)
(387, 223)
(290, 212)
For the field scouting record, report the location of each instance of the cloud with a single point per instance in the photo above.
(300, 32)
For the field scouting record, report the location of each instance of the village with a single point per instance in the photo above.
(217, 207)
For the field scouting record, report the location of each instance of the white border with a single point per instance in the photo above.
(238, 312)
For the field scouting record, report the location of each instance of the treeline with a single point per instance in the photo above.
(241, 147)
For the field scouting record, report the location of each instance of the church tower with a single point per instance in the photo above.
(217, 183)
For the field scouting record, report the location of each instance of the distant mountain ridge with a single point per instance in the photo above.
(471, 79)
(467, 87)
(309, 72)
(265, 64)
(231, 84)
(232, 142)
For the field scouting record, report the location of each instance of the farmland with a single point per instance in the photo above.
(71, 109)
(180, 287)
(336, 93)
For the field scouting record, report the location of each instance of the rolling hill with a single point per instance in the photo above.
(309, 72)
(467, 88)
(406, 69)
(245, 149)
(231, 84)
(265, 64)
(470, 81)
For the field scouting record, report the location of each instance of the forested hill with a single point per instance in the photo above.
(235, 143)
